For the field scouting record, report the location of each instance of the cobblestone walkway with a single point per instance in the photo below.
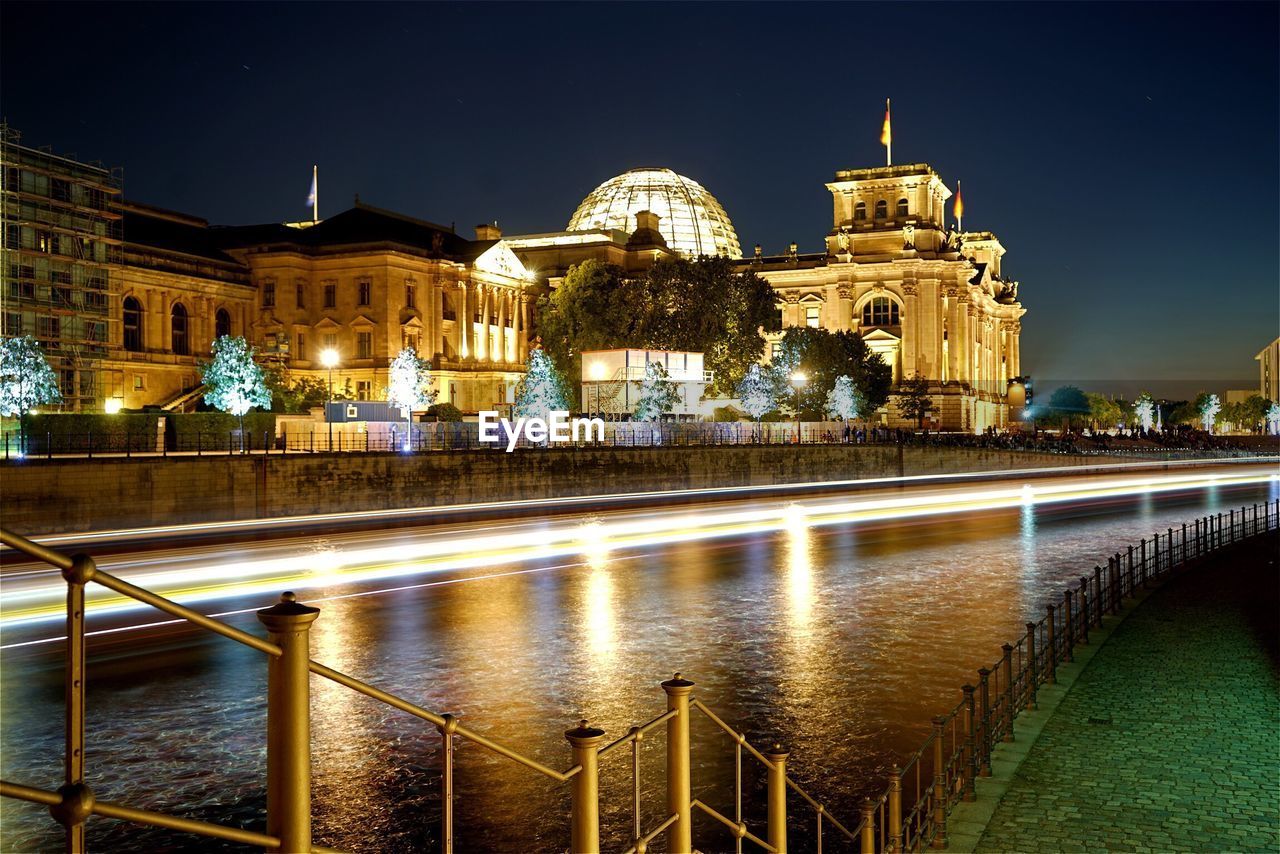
(1170, 739)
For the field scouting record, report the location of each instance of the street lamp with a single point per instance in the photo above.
(329, 358)
(798, 379)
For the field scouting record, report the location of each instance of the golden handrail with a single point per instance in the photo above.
(34, 549)
(736, 828)
(739, 737)
(637, 731)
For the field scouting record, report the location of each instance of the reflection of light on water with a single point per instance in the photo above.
(594, 542)
(799, 572)
(1027, 538)
(601, 619)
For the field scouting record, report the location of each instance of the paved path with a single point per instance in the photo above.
(1170, 738)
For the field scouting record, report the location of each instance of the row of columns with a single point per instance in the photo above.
(489, 339)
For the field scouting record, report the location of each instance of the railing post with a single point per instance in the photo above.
(446, 783)
(1117, 584)
(1006, 665)
(1142, 560)
(984, 719)
(868, 827)
(1032, 667)
(1068, 631)
(288, 625)
(777, 757)
(1098, 602)
(895, 810)
(585, 786)
(77, 798)
(1051, 654)
(1133, 590)
(939, 785)
(1086, 613)
(679, 790)
(1231, 527)
(969, 768)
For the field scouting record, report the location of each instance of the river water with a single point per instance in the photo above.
(840, 642)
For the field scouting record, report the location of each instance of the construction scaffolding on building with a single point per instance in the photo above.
(60, 241)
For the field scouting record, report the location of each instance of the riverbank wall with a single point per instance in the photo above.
(61, 496)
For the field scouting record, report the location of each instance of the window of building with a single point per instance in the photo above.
(300, 294)
(301, 352)
(410, 341)
(180, 342)
(364, 389)
(882, 209)
(364, 345)
(222, 323)
(12, 323)
(860, 211)
(880, 311)
(410, 295)
(137, 383)
(132, 325)
(330, 342)
(330, 294)
(67, 383)
(87, 384)
(365, 289)
(96, 331)
(48, 328)
(812, 316)
(269, 293)
(902, 208)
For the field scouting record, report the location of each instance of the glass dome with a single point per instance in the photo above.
(692, 221)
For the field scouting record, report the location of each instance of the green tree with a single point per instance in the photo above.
(657, 394)
(1253, 412)
(1070, 406)
(26, 380)
(236, 382)
(913, 398)
(587, 311)
(301, 396)
(823, 357)
(1104, 412)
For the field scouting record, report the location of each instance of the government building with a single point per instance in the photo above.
(126, 298)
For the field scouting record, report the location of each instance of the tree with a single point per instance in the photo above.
(1273, 419)
(541, 390)
(26, 380)
(1208, 406)
(845, 401)
(1144, 410)
(587, 311)
(1069, 405)
(1253, 411)
(913, 398)
(757, 393)
(302, 396)
(236, 383)
(1103, 411)
(409, 386)
(824, 356)
(658, 394)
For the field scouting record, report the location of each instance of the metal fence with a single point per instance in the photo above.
(465, 437)
(910, 815)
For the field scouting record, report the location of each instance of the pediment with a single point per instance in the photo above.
(499, 259)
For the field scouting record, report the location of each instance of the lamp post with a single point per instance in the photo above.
(329, 358)
(798, 379)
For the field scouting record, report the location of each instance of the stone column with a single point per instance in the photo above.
(486, 337)
(466, 326)
(1015, 351)
(504, 297)
(911, 349)
(522, 317)
(844, 307)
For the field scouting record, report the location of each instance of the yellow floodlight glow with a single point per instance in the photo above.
(329, 357)
(113, 405)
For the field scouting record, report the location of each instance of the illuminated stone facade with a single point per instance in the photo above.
(931, 300)
(365, 283)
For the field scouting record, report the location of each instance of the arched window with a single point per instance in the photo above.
(860, 211)
(132, 325)
(180, 342)
(882, 209)
(902, 208)
(880, 311)
(222, 323)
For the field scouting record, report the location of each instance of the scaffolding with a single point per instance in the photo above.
(61, 245)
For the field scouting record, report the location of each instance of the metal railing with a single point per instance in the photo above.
(959, 749)
(289, 667)
(464, 437)
(941, 773)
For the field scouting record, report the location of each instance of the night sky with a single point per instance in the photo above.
(1126, 154)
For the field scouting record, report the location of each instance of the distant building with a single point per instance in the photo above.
(60, 246)
(611, 380)
(1269, 371)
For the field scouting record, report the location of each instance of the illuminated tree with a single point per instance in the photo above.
(1144, 409)
(1208, 406)
(26, 380)
(236, 382)
(846, 401)
(658, 394)
(1103, 411)
(824, 356)
(756, 391)
(541, 390)
(409, 387)
(1273, 419)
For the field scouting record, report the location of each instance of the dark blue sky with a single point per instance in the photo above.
(1126, 154)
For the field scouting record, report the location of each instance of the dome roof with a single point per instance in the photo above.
(693, 222)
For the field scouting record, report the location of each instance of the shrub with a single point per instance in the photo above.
(727, 414)
(445, 412)
(214, 428)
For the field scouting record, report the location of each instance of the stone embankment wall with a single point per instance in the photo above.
(58, 496)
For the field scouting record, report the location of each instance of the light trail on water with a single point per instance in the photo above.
(204, 574)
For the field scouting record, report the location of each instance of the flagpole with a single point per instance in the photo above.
(315, 199)
(888, 148)
(959, 216)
